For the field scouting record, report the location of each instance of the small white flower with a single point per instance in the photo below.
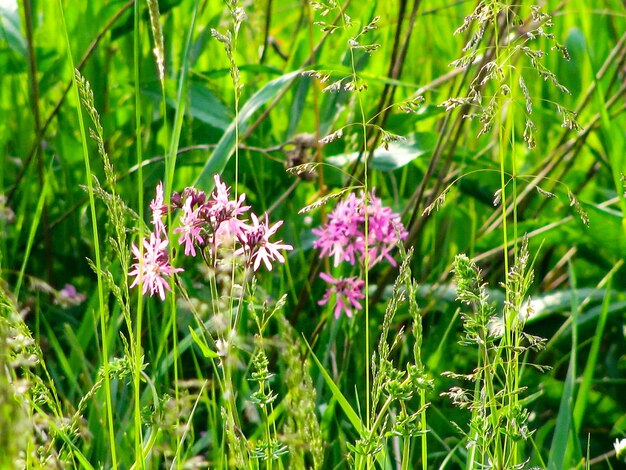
(620, 448)
(222, 347)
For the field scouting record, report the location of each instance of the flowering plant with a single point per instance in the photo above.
(344, 239)
(207, 223)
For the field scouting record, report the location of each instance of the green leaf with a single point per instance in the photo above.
(206, 107)
(10, 30)
(298, 105)
(208, 352)
(341, 399)
(544, 305)
(396, 156)
(226, 145)
(563, 429)
(202, 104)
(582, 397)
(565, 440)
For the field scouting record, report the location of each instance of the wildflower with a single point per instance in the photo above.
(190, 228)
(343, 237)
(223, 213)
(256, 241)
(158, 210)
(69, 296)
(620, 448)
(197, 197)
(223, 207)
(348, 293)
(385, 229)
(152, 265)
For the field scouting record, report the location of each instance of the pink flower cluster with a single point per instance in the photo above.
(152, 265)
(348, 291)
(343, 239)
(206, 223)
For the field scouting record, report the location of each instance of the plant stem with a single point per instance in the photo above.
(138, 322)
(102, 311)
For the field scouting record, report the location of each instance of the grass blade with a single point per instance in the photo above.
(341, 399)
(560, 449)
(31, 234)
(226, 145)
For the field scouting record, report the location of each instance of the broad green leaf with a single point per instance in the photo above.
(10, 30)
(541, 306)
(202, 104)
(298, 105)
(396, 156)
(226, 145)
(206, 107)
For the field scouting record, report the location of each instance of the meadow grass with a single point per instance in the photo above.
(312, 234)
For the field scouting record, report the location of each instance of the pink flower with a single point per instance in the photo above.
(158, 210)
(223, 209)
(190, 228)
(256, 242)
(151, 266)
(229, 231)
(385, 229)
(348, 293)
(70, 296)
(209, 221)
(343, 237)
(221, 194)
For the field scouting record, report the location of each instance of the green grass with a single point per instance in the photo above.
(251, 371)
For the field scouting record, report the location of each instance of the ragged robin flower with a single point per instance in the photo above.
(344, 239)
(206, 222)
(256, 243)
(159, 210)
(348, 293)
(152, 266)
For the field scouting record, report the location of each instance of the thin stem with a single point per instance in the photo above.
(490, 377)
(316, 115)
(34, 87)
(170, 166)
(138, 325)
(96, 241)
(423, 428)
(368, 379)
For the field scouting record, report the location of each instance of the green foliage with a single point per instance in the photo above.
(504, 141)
